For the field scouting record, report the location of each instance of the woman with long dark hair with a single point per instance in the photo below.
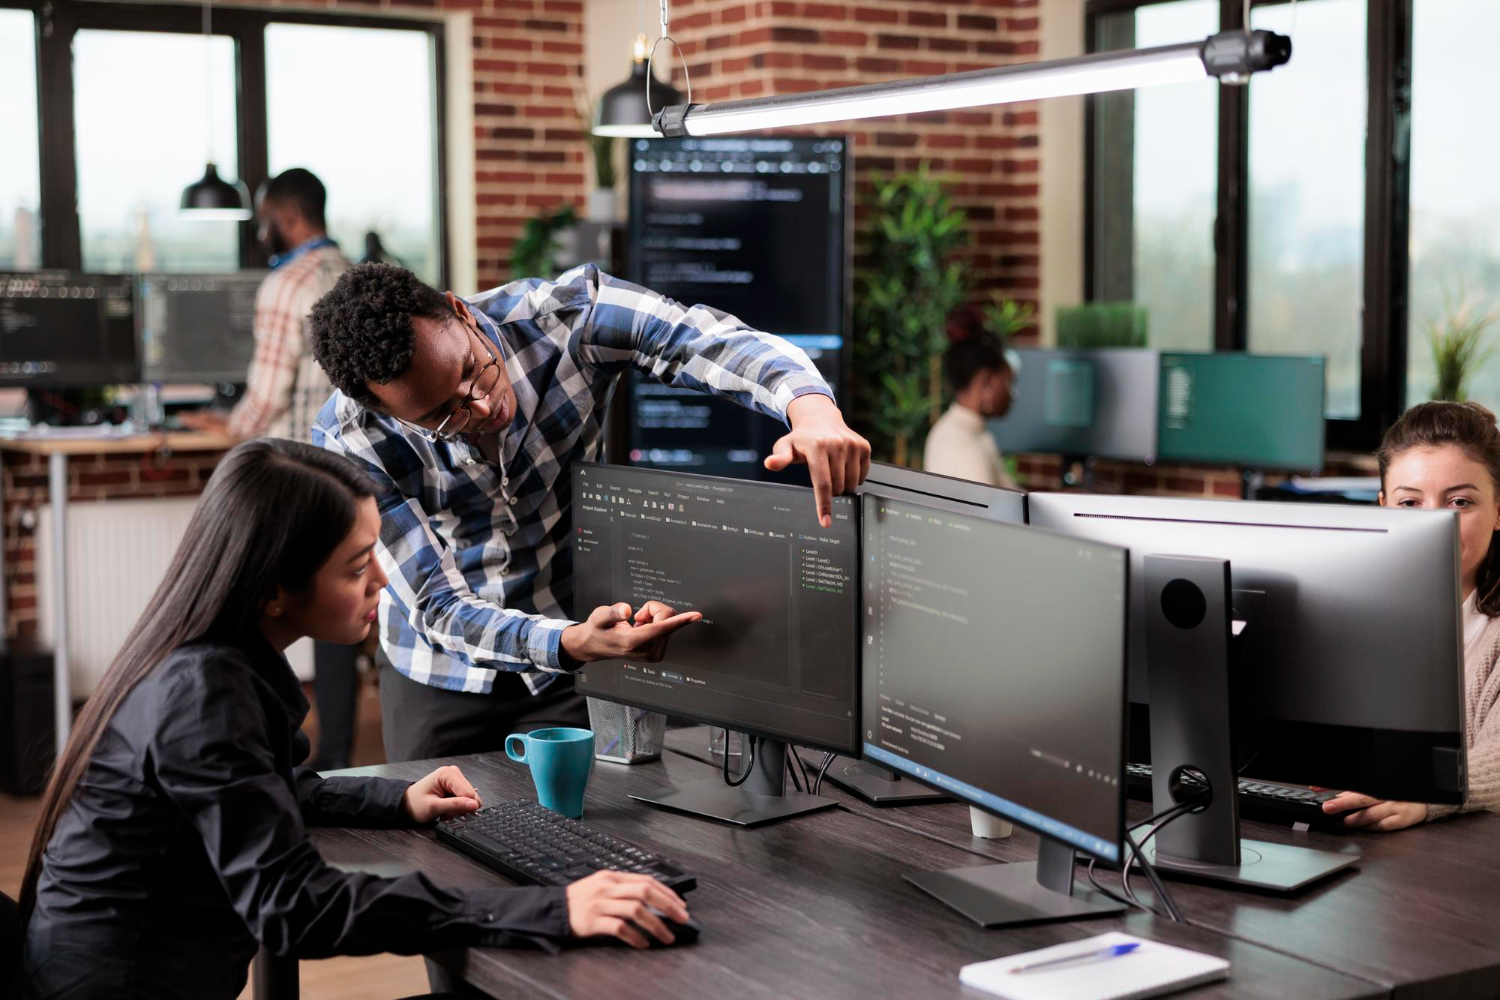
(172, 843)
(1446, 456)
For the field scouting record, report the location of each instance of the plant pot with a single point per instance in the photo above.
(603, 205)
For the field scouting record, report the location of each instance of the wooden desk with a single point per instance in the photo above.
(812, 907)
(1419, 914)
(57, 451)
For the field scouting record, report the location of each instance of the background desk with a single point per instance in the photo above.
(1419, 914)
(24, 456)
(812, 907)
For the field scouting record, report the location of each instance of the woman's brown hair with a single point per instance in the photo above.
(1468, 426)
(271, 515)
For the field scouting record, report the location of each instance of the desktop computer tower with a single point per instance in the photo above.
(26, 723)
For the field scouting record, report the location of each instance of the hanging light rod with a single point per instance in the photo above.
(1229, 56)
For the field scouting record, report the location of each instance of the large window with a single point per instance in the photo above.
(377, 154)
(136, 101)
(1176, 163)
(1156, 157)
(1455, 200)
(1307, 193)
(145, 128)
(20, 176)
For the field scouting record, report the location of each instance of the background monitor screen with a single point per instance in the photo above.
(64, 329)
(1083, 402)
(993, 663)
(1242, 409)
(754, 227)
(775, 653)
(198, 327)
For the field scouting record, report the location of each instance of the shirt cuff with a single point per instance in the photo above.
(535, 915)
(544, 644)
(803, 389)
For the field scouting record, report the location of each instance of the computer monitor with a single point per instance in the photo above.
(1348, 670)
(58, 328)
(875, 783)
(1083, 402)
(993, 663)
(756, 227)
(1250, 410)
(774, 656)
(198, 327)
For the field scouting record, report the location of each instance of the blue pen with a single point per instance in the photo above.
(1113, 951)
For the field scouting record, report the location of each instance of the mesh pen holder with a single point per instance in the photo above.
(625, 735)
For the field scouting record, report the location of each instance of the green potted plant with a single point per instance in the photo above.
(535, 253)
(904, 294)
(1101, 324)
(1460, 344)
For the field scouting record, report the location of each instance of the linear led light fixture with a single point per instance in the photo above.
(1230, 56)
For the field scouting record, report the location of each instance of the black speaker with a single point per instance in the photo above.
(27, 738)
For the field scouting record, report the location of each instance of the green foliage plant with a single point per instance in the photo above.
(1460, 344)
(909, 283)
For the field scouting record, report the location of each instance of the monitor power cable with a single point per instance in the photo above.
(749, 745)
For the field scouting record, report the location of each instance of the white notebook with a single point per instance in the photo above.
(1150, 970)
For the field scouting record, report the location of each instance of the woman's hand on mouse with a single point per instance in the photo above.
(616, 904)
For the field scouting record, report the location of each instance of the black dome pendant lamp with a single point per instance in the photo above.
(212, 198)
(623, 109)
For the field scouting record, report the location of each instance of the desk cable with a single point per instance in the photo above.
(1135, 854)
(749, 746)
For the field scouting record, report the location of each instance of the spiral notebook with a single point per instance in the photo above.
(1151, 970)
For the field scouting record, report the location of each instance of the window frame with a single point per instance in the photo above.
(1383, 321)
(58, 21)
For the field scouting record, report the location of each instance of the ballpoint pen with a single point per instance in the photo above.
(1098, 955)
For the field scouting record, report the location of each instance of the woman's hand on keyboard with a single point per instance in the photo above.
(614, 904)
(443, 793)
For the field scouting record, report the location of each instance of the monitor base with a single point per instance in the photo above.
(712, 798)
(1009, 895)
(1275, 868)
(878, 786)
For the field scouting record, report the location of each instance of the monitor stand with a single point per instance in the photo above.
(1188, 617)
(763, 797)
(878, 785)
(1008, 895)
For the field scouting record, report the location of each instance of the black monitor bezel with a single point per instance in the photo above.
(851, 750)
(1121, 787)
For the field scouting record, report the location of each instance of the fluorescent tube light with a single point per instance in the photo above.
(1230, 56)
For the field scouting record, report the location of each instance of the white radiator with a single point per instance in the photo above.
(118, 551)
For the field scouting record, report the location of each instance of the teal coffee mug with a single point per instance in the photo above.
(560, 762)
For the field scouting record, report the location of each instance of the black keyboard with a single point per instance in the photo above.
(528, 843)
(1259, 800)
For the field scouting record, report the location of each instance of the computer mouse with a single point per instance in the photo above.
(684, 933)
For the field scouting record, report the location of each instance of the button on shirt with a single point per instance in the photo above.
(478, 552)
(185, 844)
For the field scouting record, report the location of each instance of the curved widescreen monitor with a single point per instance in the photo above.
(775, 653)
(1349, 669)
(993, 667)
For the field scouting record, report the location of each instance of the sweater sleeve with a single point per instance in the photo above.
(1481, 695)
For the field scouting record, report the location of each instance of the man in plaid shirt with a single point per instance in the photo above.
(468, 415)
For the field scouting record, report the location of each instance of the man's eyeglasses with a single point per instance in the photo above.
(455, 423)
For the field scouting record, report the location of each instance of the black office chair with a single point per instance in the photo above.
(10, 943)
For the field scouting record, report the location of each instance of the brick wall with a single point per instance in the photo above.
(752, 48)
(90, 478)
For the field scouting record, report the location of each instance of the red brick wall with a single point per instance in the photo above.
(751, 48)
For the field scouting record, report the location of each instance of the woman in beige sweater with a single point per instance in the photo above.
(1446, 456)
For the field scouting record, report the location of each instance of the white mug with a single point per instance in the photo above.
(987, 826)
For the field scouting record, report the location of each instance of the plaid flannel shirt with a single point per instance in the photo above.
(479, 554)
(285, 388)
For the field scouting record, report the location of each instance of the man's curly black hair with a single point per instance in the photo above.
(362, 332)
